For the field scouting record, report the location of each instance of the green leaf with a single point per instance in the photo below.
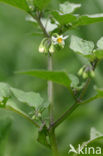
(99, 91)
(59, 77)
(4, 92)
(11, 106)
(63, 18)
(42, 136)
(88, 19)
(67, 7)
(49, 26)
(30, 98)
(81, 46)
(98, 53)
(22, 4)
(95, 139)
(75, 80)
(64, 15)
(100, 43)
(41, 4)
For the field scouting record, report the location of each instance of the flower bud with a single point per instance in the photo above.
(39, 115)
(43, 46)
(84, 75)
(41, 49)
(92, 73)
(31, 7)
(80, 72)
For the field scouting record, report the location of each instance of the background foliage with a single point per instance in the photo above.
(19, 51)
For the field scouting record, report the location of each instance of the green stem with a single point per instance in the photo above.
(84, 89)
(90, 99)
(50, 90)
(65, 115)
(78, 102)
(51, 107)
(53, 142)
(22, 114)
(72, 109)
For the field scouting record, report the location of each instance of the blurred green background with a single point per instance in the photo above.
(19, 51)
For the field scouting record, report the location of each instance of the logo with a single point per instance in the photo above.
(85, 150)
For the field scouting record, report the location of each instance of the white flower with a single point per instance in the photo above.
(59, 40)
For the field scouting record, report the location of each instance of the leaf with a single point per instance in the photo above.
(95, 141)
(41, 4)
(99, 91)
(98, 53)
(64, 15)
(94, 137)
(100, 43)
(4, 91)
(63, 18)
(81, 46)
(94, 134)
(67, 7)
(88, 19)
(75, 80)
(59, 77)
(11, 106)
(22, 4)
(29, 18)
(30, 98)
(42, 136)
(49, 26)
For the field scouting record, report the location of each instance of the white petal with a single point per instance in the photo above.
(63, 43)
(54, 38)
(65, 37)
(61, 36)
(55, 43)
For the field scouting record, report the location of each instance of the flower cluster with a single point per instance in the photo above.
(86, 71)
(49, 45)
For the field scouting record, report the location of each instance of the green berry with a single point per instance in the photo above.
(39, 115)
(92, 73)
(84, 75)
(80, 72)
